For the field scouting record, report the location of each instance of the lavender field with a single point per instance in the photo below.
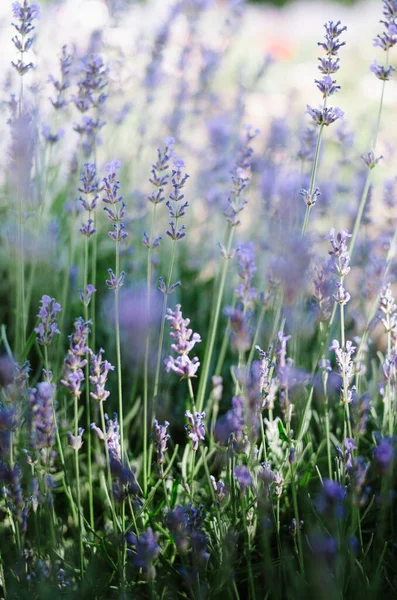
(198, 315)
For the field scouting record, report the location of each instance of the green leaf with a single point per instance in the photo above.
(283, 435)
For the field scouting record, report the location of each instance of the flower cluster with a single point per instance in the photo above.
(91, 86)
(269, 477)
(40, 416)
(195, 428)
(240, 176)
(160, 438)
(176, 209)
(345, 365)
(246, 260)
(185, 340)
(388, 38)
(117, 213)
(64, 83)
(48, 325)
(159, 178)
(340, 258)
(146, 551)
(243, 477)
(75, 360)
(89, 196)
(25, 14)
(99, 374)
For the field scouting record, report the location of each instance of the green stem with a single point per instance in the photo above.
(78, 492)
(87, 394)
(118, 351)
(296, 514)
(146, 360)
(210, 346)
(313, 175)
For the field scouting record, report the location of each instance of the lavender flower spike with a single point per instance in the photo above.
(195, 428)
(40, 416)
(160, 438)
(76, 442)
(75, 360)
(48, 326)
(99, 375)
(185, 340)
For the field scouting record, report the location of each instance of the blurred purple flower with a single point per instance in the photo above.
(48, 326)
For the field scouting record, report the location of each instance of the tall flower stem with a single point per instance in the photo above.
(314, 172)
(147, 348)
(162, 327)
(296, 515)
(78, 491)
(118, 350)
(87, 396)
(108, 471)
(313, 175)
(215, 318)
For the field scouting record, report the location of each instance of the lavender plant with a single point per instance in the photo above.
(257, 458)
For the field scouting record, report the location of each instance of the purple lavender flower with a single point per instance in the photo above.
(111, 436)
(13, 493)
(99, 374)
(219, 488)
(246, 260)
(146, 551)
(310, 198)
(342, 297)
(240, 177)
(75, 360)
(185, 340)
(8, 423)
(40, 417)
(238, 328)
(116, 213)
(89, 187)
(195, 428)
(388, 38)
(370, 160)
(340, 258)
(85, 297)
(328, 65)
(52, 138)
(64, 83)
(382, 73)
(345, 365)
(324, 116)
(160, 438)
(243, 477)
(25, 13)
(91, 86)
(176, 208)
(384, 454)
(331, 500)
(327, 86)
(113, 283)
(159, 178)
(87, 229)
(76, 442)
(48, 326)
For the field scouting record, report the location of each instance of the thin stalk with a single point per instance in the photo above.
(147, 347)
(313, 176)
(256, 335)
(118, 351)
(296, 514)
(162, 327)
(87, 396)
(78, 492)
(210, 346)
